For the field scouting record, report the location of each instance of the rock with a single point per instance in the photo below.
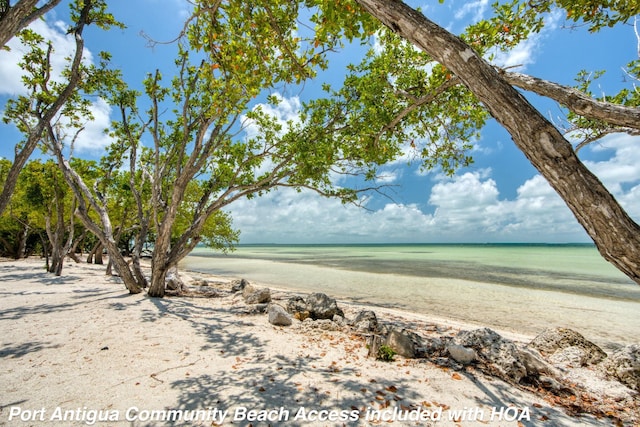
(302, 315)
(199, 282)
(339, 320)
(298, 308)
(173, 282)
(461, 354)
(624, 366)
(278, 316)
(567, 347)
(499, 355)
(320, 306)
(435, 346)
(239, 285)
(252, 295)
(258, 308)
(400, 341)
(536, 365)
(365, 321)
(321, 324)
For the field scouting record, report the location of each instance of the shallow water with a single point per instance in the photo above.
(521, 288)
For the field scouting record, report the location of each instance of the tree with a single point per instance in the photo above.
(32, 114)
(199, 162)
(14, 19)
(615, 234)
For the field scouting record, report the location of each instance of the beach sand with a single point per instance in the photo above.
(80, 346)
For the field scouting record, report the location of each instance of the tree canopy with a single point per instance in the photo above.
(180, 150)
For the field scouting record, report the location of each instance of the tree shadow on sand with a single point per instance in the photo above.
(14, 351)
(285, 380)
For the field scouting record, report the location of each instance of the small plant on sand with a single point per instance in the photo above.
(386, 353)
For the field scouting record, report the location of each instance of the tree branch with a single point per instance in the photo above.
(578, 102)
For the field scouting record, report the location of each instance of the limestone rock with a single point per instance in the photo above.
(321, 324)
(365, 321)
(435, 347)
(297, 307)
(497, 353)
(252, 295)
(536, 365)
(320, 306)
(461, 354)
(239, 285)
(400, 341)
(296, 304)
(567, 347)
(174, 282)
(260, 308)
(624, 366)
(278, 316)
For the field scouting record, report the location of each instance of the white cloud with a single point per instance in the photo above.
(92, 139)
(305, 217)
(524, 53)
(468, 208)
(620, 172)
(388, 177)
(623, 167)
(64, 47)
(476, 9)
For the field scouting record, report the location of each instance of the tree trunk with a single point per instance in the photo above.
(22, 242)
(73, 251)
(98, 256)
(97, 247)
(18, 16)
(615, 234)
(158, 282)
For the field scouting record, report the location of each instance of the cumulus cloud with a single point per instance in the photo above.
(64, 44)
(305, 217)
(285, 110)
(92, 139)
(623, 167)
(465, 208)
(524, 53)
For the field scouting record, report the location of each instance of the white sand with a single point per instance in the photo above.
(81, 343)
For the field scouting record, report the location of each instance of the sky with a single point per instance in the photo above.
(500, 198)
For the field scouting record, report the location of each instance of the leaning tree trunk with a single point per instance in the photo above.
(615, 234)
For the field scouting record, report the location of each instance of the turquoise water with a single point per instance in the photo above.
(524, 288)
(568, 268)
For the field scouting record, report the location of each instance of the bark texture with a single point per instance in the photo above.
(17, 17)
(615, 234)
(578, 102)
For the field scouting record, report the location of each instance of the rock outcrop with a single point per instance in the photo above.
(567, 347)
(624, 365)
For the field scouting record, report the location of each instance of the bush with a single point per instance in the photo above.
(386, 353)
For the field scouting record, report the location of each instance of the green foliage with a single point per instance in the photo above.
(385, 353)
(597, 14)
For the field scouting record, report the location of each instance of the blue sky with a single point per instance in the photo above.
(500, 198)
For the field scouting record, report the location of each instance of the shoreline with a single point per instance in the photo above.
(515, 310)
(81, 343)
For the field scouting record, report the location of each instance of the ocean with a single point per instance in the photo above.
(511, 287)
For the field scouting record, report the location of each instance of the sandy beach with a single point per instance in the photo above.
(79, 350)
